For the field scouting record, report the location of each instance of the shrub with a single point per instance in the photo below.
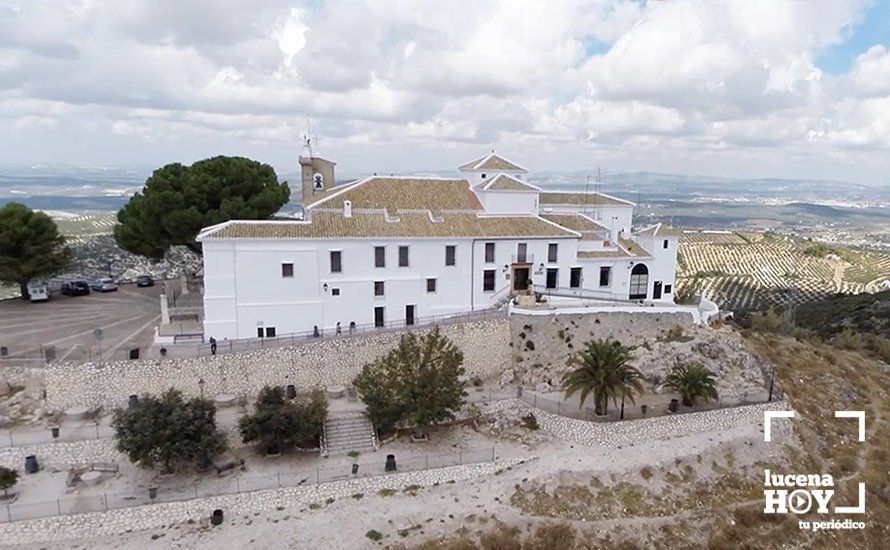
(691, 381)
(417, 383)
(374, 535)
(530, 422)
(169, 431)
(277, 421)
(8, 479)
(770, 321)
(848, 340)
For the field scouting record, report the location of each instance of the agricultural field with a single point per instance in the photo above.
(742, 270)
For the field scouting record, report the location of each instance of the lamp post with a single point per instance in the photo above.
(201, 386)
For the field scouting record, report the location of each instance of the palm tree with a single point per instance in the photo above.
(602, 370)
(691, 381)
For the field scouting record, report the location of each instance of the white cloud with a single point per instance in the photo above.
(566, 82)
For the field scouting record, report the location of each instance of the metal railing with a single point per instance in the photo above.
(101, 502)
(583, 294)
(246, 344)
(522, 258)
(655, 405)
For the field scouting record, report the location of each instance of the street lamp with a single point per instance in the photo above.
(201, 386)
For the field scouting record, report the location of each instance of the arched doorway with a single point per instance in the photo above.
(639, 282)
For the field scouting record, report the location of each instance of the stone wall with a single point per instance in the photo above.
(313, 364)
(62, 455)
(542, 345)
(548, 340)
(96, 524)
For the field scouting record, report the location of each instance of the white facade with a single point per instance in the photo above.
(449, 246)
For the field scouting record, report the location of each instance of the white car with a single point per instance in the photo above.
(105, 284)
(38, 293)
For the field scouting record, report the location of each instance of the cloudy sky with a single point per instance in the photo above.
(735, 88)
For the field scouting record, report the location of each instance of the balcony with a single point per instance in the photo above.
(522, 259)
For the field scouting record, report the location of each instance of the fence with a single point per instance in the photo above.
(655, 405)
(67, 433)
(101, 502)
(247, 344)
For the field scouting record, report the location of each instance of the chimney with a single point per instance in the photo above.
(347, 209)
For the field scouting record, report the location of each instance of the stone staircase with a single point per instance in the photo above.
(345, 432)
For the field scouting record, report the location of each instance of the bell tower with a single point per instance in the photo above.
(317, 174)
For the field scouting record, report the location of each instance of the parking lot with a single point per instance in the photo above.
(65, 327)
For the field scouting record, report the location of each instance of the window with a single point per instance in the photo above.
(450, 253)
(639, 282)
(489, 253)
(666, 243)
(259, 332)
(379, 256)
(270, 332)
(552, 277)
(521, 253)
(287, 270)
(488, 280)
(667, 289)
(378, 288)
(335, 292)
(552, 252)
(403, 256)
(431, 285)
(336, 261)
(575, 277)
(605, 276)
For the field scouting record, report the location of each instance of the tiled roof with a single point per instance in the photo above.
(575, 222)
(660, 230)
(492, 161)
(401, 193)
(564, 198)
(330, 224)
(503, 182)
(626, 249)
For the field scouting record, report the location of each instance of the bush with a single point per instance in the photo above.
(8, 479)
(417, 383)
(374, 535)
(770, 321)
(169, 431)
(848, 340)
(530, 422)
(277, 422)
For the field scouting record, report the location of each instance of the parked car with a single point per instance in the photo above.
(105, 284)
(145, 280)
(38, 292)
(75, 288)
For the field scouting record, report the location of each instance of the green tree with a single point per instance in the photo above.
(277, 421)
(169, 431)
(417, 383)
(30, 246)
(602, 370)
(8, 478)
(178, 201)
(691, 381)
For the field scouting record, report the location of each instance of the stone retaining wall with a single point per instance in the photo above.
(98, 524)
(313, 364)
(548, 340)
(62, 455)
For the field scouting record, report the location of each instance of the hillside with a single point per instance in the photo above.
(864, 313)
(747, 271)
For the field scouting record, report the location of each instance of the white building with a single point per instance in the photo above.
(393, 250)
